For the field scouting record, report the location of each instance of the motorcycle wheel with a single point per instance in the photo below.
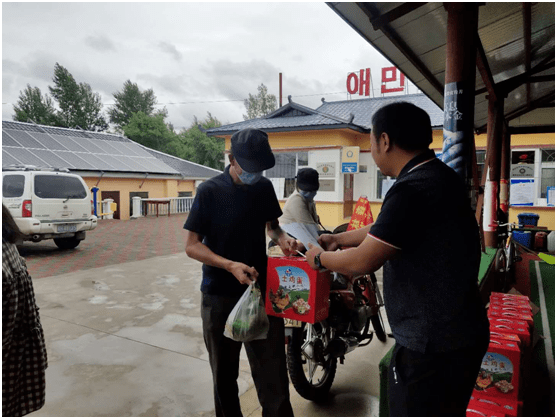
(378, 327)
(312, 379)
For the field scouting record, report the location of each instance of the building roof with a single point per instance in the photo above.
(187, 168)
(79, 150)
(352, 114)
(516, 50)
(363, 109)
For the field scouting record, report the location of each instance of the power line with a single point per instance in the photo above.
(214, 101)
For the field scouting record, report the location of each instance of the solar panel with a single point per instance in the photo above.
(7, 159)
(114, 161)
(68, 143)
(131, 162)
(97, 160)
(24, 139)
(75, 160)
(123, 150)
(9, 141)
(107, 147)
(140, 151)
(49, 142)
(52, 159)
(24, 156)
(90, 145)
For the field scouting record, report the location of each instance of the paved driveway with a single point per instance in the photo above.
(111, 243)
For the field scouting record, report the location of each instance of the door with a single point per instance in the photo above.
(115, 195)
(348, 195)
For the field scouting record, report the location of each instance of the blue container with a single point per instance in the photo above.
(523, 237)
(528, 218)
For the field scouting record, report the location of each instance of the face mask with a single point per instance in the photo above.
(308, 195)
(249, 178)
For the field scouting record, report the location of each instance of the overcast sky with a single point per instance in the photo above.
(197, 57)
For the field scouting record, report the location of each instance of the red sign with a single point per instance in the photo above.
(361, 84)
(389, 74)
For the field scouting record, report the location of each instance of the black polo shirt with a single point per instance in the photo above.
(431, 288)
(231, 219)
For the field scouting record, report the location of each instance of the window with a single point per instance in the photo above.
(53, 186)
(286, 167)
(12, 186)
(384, 183)
(185, 194)
(547, 176)
(480, 161)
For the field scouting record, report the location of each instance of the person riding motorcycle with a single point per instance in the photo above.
(300, 206)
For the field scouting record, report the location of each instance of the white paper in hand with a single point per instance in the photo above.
(306, 233)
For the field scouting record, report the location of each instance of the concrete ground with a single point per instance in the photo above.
(125, 338)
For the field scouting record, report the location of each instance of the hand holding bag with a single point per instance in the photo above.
(248, 320)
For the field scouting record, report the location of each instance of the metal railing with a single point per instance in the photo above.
(143, 207)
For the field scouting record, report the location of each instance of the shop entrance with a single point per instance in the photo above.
(114, 195)
(348, 195)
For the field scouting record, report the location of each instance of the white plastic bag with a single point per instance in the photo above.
(248, 319)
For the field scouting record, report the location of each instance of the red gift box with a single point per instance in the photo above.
(517, 327)
(510, 297)
(495, 312)
(497, 407)
(512, 308)
(496, 334)
(296, 291)
(499, 376)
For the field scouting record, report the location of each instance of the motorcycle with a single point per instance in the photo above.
(313, 349)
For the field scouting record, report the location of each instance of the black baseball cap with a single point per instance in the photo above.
(308, 179)
(250, 147)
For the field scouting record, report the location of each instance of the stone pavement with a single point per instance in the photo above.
(111, 243)
(124, 337)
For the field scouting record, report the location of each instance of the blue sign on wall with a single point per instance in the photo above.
(349, 167)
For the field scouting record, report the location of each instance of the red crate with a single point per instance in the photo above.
(296, 291)
(499, 376)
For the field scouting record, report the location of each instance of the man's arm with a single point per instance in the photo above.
(368, 257)
(287, 244)
(351, 238)
(195, 249)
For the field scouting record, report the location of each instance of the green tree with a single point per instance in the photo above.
(32, 106)
(131, 100)
(194, 145)
(79, 105)
(151, 131)
(260, 104)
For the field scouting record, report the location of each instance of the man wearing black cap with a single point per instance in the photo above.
(226, 231)
(300, 206)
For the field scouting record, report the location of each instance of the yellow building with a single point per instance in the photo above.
(117, 166)
(322, 138)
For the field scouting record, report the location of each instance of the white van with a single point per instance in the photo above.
(48, 204)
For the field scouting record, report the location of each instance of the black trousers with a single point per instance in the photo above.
(438, 384)
(267, 360)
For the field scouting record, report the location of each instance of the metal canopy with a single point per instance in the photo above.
(516, 54)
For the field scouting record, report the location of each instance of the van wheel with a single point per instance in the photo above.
(67, 243)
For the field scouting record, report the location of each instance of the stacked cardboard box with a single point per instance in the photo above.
(498, 390)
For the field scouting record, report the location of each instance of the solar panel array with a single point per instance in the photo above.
(44, 146)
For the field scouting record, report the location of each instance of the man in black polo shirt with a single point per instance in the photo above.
(226, 231)
(427, 240)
